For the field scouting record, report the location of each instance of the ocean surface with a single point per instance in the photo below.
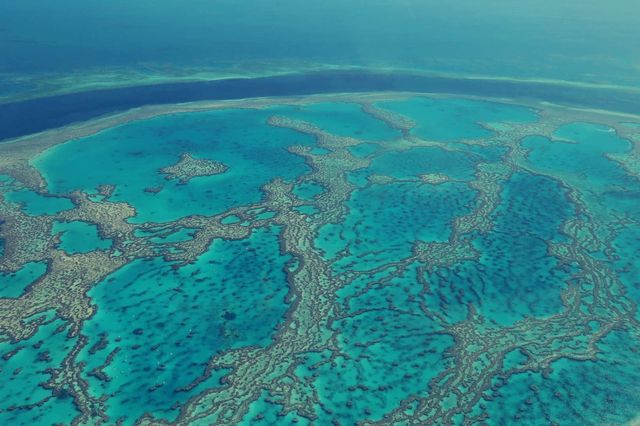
(321, 213)
(53, 45)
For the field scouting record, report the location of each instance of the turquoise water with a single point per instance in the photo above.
(452, 120)
(35, 204)
(253, 152)
(603, 392)
(530, 214)
(385, 221)
(469, 257)
(582, 154)
(468, 270)
(367, 383)
(628, 251)
(23, 368)
(14, 284)
(79, 237)
(344, 119)
(416, 161)
(308, 190)
(165, 324)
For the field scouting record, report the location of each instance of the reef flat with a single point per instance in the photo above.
(188, 167)
(383, 258)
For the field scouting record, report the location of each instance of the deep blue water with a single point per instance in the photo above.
(35, 115)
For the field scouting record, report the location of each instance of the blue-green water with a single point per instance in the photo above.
(14, 284)
(344, 119)
(35, 204)
(157, 318)
(395, 215)
(569, 40)
(79, 237)
(253, 152)
(512, 288)
(24, 372)
(406, 212)
(572, 388)
(416, 161)
(455, 119)
(478, 268)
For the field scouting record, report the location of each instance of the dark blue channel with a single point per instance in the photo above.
(35, 115)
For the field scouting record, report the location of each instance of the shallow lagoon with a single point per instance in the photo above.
(14, 284)
(460, 271)
(165, 324)
(79, 237)
(135, 153)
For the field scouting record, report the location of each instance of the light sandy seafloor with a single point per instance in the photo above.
(329, 299)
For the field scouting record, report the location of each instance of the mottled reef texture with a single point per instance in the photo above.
(188, 167)
(595, 301)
